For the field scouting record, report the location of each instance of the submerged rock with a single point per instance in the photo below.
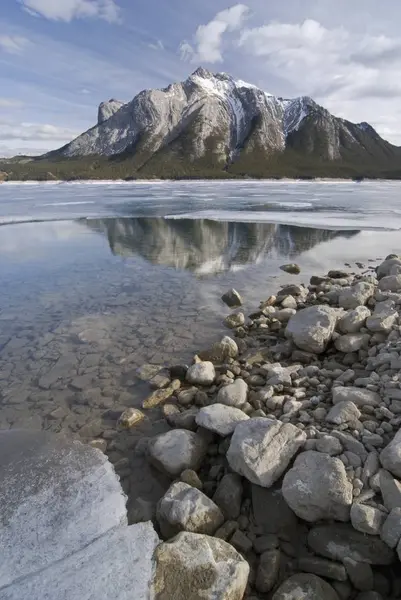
(232, 299)
(291, 268)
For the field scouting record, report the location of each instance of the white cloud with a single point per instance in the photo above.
(67, 10)
(36, 132)
(13, 44)
(208, 38)
(156, 45)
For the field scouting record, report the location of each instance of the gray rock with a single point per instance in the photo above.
(317, 488)
(383, 317)
(358, 396)
(390, 283)
(289, 302)
(235, 320)
(322, 567)
(387, 266)
(312, 328)
(185, 508)
(201, 373)
(360, 574)
(390, 457)
(268, 571)
(342, 412)
(186, 397)
(291, 268)
(371, 467)
(390, 490)
(328, 445)
(353, 320)
(220, 419)
(369, 596)
(261, 449)
(234, 394)
(226, 348)
(367, 519)
(351, 342)
(177, 450)
(265, 542)
(351, 444)
(192, 566)
(391, 530)
(305, 586)
(340, 540)
(232, 299)
(183, 420)
(228, 496)
(191, 478)
(356, 295)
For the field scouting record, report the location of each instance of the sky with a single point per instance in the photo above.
(60, 58)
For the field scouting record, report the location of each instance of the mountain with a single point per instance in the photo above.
(204, 246)
(213, 125)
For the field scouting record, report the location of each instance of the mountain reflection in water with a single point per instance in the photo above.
(205, 246)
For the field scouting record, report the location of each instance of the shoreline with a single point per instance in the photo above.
(312, 375)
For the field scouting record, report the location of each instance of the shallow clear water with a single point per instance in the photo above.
(98, 279)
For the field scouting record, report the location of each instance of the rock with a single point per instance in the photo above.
(305, 586)
(356, 295)
(351, 342)
(291, 268)
(221, 419)
(360, 574)
(367, 519)
(185, 508)
(235, 320)
(130, 417)
(322, 567)
(340, 541)
(147, 371)
(342, 412)
(265, 542)
(289, 302)
(261, 449)
(386, 268)
(390, 283)
(227, 530)
(191, 478)
(177, 450)
(371, 467)
(232, 299)
(201, 373)
(337, 274)
(383, 317)
(311, 329)
(390, 490)
(268, 571)
(186, 397)
(183, 420)
(317, 488)
(271, 513)
(328, 445)
(351, 444)
(369, 596)
(223, 350)
(234, 394)
(359, 396)
(228, 496)
(198, 567)
(353, 320)
(390, 457)
(391, 530)
(178, 372)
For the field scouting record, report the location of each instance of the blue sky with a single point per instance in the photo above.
(60, 58)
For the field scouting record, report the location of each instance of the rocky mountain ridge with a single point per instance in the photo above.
(214, 119)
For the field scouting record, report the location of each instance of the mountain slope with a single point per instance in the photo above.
(213, 123)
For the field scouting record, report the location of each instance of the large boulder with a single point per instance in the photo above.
(391, 266)
(185, 508)
(198, 567)
(261, 449)
(359, 396)
(220, 419)
(312, 328)
(317, 488)
(177, 450)
(356, 295)
(390, 457)
(383, 318)
(201, 373)
(340, 541)
(305, 586)
(353, 320)
(390, 283)
(233, 394)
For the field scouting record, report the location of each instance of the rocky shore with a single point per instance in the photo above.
(284, 452)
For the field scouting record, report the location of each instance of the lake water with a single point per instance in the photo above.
(97, 279)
